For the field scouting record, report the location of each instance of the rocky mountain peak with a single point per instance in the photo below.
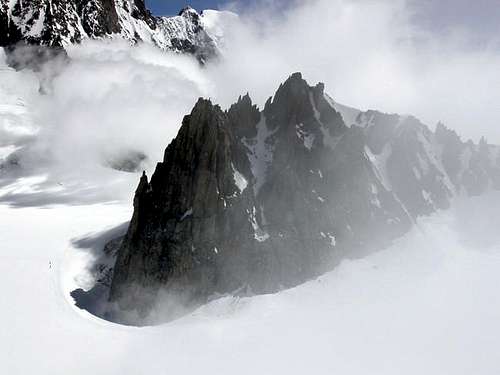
(295, 102)
(189, 12)
(293, 91)
(249, 201)
(57, 23)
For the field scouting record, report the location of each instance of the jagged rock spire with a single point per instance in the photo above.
(260, 201)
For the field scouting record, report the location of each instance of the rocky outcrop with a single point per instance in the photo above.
(438, 164)
(249, 201)
(59, 23)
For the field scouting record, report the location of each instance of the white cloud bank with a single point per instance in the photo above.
(110, 99)
(113, 98)
(371, 55)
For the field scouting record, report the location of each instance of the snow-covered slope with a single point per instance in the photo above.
(428, 304)
(437, 157)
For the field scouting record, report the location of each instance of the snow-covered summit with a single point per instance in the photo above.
(59, 23)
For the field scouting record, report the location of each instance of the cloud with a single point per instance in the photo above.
(109, 99)
(112, 98)
(371, 54)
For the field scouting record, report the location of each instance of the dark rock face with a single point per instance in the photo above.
(59, 23)
(195, 221)
(10, 33)
(250, 201)
(99, 18)
(40, 22)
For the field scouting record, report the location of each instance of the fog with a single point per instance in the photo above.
(112, 99)
(115, 96)
(371, 55)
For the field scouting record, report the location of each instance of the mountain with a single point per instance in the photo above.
(250, 201)
(60, 23)
(463, 167)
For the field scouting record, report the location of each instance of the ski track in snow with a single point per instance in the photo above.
(428, 304)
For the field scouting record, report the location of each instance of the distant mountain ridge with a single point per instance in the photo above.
(60, 23)
(250, 201)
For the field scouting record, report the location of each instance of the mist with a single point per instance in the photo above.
(107, 101)
(370, 55)
(113, 99)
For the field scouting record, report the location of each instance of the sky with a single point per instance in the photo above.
(171, 7)
(443, 16)
(480, 16)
